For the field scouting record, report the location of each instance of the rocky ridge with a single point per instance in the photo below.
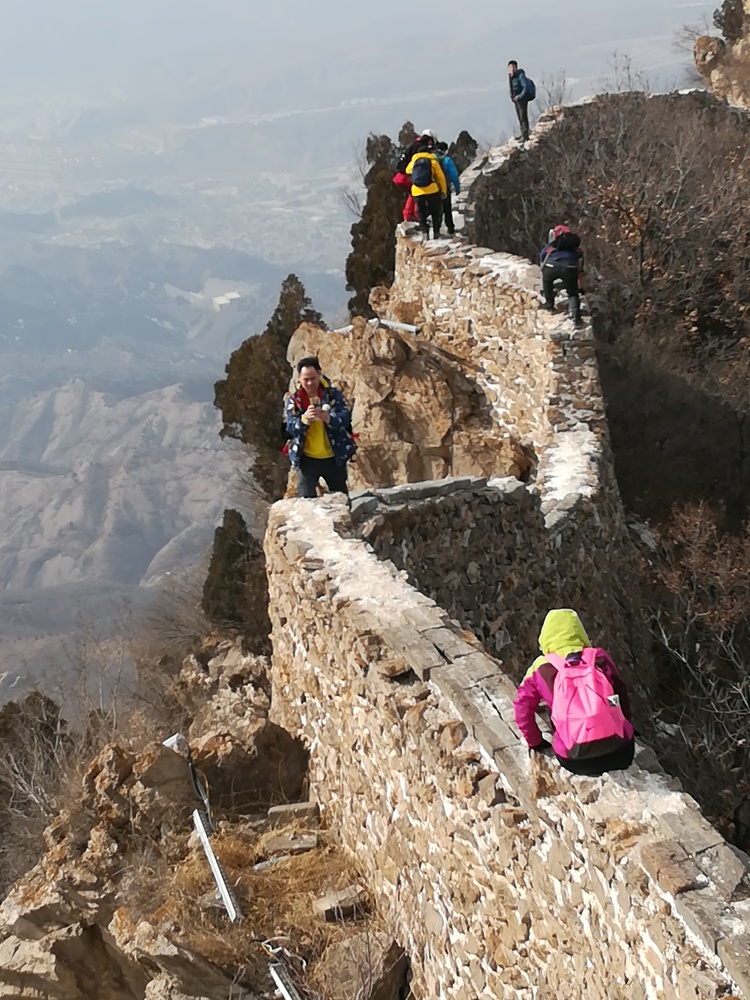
(725, 63)
(121, 904)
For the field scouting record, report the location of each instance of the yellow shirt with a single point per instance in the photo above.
(317, 444)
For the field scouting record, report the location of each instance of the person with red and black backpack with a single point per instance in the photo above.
(561, 259)
(586, 697)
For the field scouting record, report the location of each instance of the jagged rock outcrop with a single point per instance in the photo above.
(84, 922)
(724, 63)
(418, 409)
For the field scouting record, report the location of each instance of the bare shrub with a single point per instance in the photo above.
(351, 195)
(654, 188)
(174, 623)
(35, 750)
(553, 91)
(700, 618)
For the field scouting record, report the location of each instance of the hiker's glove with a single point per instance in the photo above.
(542, 746)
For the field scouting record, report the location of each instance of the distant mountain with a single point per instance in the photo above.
(99, 488)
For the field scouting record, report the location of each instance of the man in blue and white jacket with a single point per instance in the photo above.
(451, 182)
(520, 94)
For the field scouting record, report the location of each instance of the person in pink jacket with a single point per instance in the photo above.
(563, 640)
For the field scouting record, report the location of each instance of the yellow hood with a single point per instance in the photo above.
(562, 633)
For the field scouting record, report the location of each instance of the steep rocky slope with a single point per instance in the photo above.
(122, 906)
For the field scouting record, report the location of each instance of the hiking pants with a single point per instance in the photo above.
(619, 760)
(522, 111)
(410, 210)
(567, 272)
(448, 214)
(312, 469)
(429, 206)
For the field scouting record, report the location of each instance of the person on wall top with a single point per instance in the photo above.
(428, 186)
(452, 182)
(522, 91)
(561, 259)
(586, 698)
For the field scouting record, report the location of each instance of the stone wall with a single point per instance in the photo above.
(538, 371)
(504, 876)
(541, 380)
(496, 559)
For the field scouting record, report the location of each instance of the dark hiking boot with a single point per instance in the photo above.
(549, 307)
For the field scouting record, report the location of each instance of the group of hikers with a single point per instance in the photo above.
(577, 684)
(429, 176)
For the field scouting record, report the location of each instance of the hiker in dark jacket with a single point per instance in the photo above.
(562, 259)
(451, 182)
(520, 95)
(318, 423)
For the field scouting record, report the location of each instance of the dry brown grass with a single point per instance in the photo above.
(276, 903)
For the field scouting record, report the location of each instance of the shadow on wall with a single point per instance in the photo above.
(673, 442)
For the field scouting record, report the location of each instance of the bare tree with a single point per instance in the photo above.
(699, 613)
(351, 196)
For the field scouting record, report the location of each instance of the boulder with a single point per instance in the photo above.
(369, 966)
(419, 412)
(266, 767)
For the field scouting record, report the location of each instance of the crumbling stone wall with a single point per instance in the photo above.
(505, 876)
(496, 558)
(540, 373)
(541, 378)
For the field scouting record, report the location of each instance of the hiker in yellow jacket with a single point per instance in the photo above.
(428, 187)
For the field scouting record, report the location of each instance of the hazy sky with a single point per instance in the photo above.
(289, 51)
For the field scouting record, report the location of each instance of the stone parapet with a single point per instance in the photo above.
(496, 556)
(505, 876)
(538, 371)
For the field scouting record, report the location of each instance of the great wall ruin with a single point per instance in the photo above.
(399, 628)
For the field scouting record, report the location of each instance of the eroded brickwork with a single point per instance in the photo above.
(504, 877)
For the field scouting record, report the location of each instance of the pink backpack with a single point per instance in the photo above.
(586, 712)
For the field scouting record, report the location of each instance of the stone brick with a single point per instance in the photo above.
(726, 870)
(293, 812)
(416, 653)
(734, 952)
(703, 914)
(671, 868)
(341, 904)
(691, 831)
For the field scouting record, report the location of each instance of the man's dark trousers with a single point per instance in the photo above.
(568, 274)
(312, 469)
(429, 206)
(448, 213)
(522, 110)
